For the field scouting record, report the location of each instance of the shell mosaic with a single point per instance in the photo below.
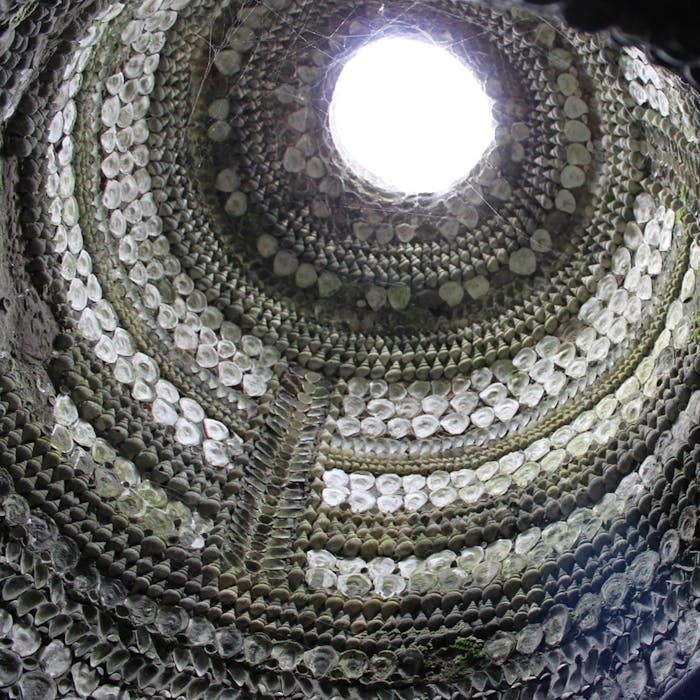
(297, 437)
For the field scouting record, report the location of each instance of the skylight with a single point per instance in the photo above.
(409, 116)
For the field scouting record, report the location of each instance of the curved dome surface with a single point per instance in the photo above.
(267, 430)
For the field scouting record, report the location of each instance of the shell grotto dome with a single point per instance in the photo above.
(276, 425)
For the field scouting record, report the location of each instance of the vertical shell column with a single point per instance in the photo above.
(274, 488)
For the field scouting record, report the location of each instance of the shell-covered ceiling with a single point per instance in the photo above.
(269, 431)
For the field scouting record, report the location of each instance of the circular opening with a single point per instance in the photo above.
(409, 116)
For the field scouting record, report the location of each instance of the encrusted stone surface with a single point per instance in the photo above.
(266, 431)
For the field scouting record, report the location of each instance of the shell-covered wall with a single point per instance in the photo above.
(267, 431)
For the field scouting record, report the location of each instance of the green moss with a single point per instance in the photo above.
(695, 322)
(470, 654)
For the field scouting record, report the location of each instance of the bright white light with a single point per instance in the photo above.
(409, 116)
